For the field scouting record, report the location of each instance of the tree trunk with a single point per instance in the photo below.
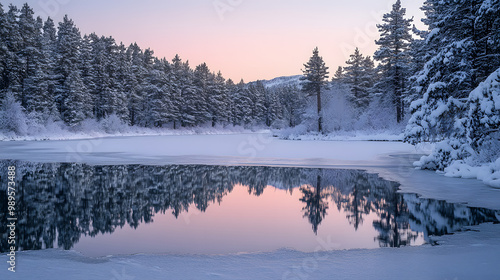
(320, 118)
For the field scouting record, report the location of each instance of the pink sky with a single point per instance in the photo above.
(249, 39)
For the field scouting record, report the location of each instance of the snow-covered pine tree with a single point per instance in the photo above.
(103, 75)
(176, 91)
(49, 46)
(35, 83)
(231, 93)
(68, 56)
(133, 85)
(448, 75)
(257, 93)
(487, 39)
(218, 101)
(76, 100)
(29, 53)
(242, 104)
(482, 122)
(338, 76)
(156, 90)
(358, 74)
(123, 73)
(272, 105)
(87, 73)
(3, 53)
(203, 81)
(455, 108)
(188, 99)
(315, 78)
(14, 71)
(293, 103)
(393, 55)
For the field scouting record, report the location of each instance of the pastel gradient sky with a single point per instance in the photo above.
(249, 39)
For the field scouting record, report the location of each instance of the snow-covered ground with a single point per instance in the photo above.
(93, 129)
(465, 255)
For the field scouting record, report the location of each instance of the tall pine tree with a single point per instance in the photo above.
(393, 55)
(314, 80)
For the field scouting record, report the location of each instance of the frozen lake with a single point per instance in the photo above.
(390, 160)
(244, 206)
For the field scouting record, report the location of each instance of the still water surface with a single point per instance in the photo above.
(195, 209)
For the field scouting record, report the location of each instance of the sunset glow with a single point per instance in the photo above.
(244, 39)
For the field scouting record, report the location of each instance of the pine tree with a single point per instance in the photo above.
(75, 103)
(176, 91)
(123, 75)
(4, 54)
(218, 100)
(449, 74)
(150, 91)
(156, 92)
(339, 75)
(292, 102)
(27, 53)
(359, 76)
(35, 84)
(102, 75)
(482, 121)
(393, 55)
(14, 70)
(231, 93)
(257, 93)
(68, 55)
(203, 81)
(315, 78)
(242, 105)
(487, 38)
(454, 108)
(49, 45)
(133, 85)
(187, 99)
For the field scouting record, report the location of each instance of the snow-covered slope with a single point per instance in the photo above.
(283, 81)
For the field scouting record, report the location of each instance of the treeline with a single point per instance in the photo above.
(56, 74)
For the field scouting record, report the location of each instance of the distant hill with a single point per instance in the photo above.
(282, 81)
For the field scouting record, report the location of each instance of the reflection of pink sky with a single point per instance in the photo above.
(256, 40)
(242, 223)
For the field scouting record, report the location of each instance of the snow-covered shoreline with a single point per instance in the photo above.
(129, 132)
(465, 255)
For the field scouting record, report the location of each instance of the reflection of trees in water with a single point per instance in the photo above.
(316, 204)
(400, 216)
(437, 217)
(60, 202)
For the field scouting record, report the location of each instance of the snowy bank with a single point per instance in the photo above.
(94, 129)
(488, 173)
(348, 136)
